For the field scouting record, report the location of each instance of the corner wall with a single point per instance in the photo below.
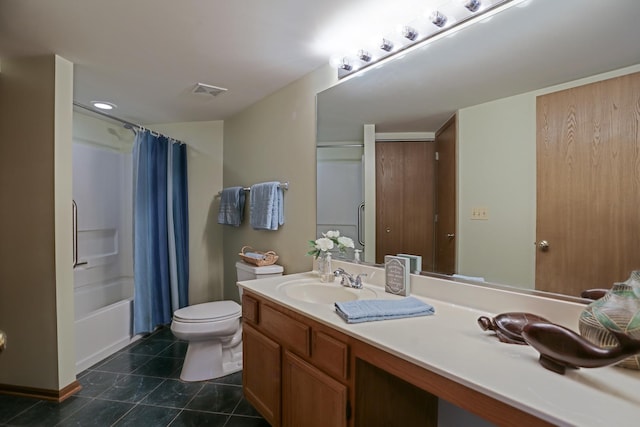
(36, 311)
(275, 140)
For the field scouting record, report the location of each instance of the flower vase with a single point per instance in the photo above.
(619, 310)
(324, 267)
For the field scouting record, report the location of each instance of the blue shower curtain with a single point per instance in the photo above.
(161, 230)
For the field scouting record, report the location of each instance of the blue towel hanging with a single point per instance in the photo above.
(382, 309)
(266, 206)
(231, 209)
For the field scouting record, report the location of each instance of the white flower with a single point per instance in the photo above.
(331, 234)
(346, 242)
(324, 244)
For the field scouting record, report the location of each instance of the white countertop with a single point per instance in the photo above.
(451, 344)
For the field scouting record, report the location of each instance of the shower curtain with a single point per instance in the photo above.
(160, 230)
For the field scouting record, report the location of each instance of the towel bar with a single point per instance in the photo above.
(283, 185)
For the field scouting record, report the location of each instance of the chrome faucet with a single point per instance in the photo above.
(348, 280)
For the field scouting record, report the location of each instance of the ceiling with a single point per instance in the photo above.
(537, 44)
(147, 55)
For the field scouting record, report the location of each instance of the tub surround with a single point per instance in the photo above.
(473, 369)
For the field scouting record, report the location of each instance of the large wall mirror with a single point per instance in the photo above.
(489, 76)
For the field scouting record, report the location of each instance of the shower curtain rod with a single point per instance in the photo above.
(127, 124)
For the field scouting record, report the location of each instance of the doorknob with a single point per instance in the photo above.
(388, 230)
(451, 236)
(543, 245)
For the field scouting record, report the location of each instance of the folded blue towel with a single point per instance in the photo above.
(231, 206)
(382, 309)
(254, 255)
(266, 206)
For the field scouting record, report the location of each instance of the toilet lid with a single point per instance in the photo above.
(209, 311)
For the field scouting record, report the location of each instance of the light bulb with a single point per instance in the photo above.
(409, 33)
(102, 105)
(364, 55)
(472, 5)
(438, 19)
(386, 45)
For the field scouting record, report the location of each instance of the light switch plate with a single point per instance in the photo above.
(481, 213)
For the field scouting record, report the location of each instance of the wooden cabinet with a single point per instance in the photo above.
(310, 397)
(261, 358)
(295, 371)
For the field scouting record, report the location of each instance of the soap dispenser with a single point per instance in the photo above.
(325, 269)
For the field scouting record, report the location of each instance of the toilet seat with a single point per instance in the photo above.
(216, 311)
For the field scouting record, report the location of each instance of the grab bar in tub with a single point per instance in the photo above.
(74, 212)
(360, 222)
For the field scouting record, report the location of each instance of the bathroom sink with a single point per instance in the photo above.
(314, 291)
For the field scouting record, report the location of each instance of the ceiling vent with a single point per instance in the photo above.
(208, 89)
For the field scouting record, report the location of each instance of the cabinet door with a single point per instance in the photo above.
(311, 398)
(261, 373)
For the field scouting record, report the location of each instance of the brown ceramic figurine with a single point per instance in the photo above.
(594, 294)
(508, 326)
(561, 348)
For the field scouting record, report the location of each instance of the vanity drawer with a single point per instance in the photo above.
(290, 332)
(330, 354)
(250, 309)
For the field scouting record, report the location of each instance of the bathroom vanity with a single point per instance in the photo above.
(303, 365)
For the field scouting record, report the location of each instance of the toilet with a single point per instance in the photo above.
(214, 332)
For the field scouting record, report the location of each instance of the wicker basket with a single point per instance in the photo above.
(268, 258)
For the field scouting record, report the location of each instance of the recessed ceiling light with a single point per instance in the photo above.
(103, 105)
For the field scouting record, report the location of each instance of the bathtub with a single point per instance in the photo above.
(103, 320)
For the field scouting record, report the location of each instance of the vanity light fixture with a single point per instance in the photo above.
(103, 105)
(451, 16)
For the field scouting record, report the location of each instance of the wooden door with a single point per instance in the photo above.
(588, 185)
(404, 200)
(445, 227)
(311, 398)
(261, 373)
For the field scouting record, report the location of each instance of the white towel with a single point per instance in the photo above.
(266, 206)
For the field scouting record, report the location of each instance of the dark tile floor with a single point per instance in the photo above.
(140, 386)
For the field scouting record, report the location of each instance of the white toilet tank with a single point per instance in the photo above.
(246, 271)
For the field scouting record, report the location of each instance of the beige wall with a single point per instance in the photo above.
(36, 311)
(275, 140)
(497, 170)
(204, 158)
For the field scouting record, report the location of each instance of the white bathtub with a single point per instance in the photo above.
(104, 320)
